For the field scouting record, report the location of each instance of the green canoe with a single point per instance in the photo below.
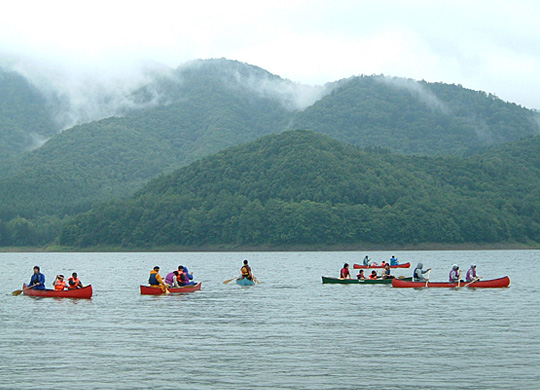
(326, 280)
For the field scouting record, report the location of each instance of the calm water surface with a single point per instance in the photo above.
(291, 332)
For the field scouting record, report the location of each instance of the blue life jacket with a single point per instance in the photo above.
(152, 279)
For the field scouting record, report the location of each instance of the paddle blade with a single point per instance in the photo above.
(228, 281)
(16, 292)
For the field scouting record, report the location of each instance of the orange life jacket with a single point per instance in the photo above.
(371, 276)
(60, 285)
(73, 283)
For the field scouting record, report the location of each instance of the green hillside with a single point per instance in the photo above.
(303, 188)
(416, 117)
(206, 106)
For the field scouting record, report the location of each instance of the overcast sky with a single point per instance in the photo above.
(492, 46)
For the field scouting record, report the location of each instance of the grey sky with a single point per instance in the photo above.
(485, 45)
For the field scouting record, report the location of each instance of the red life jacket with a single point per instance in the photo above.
(60, 285)
(371, 276)
(73, 283)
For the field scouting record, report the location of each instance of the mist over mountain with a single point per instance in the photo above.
(162, 119)
(416, 117)
(26, 116)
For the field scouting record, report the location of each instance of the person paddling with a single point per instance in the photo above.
(246, 271)
(59, 283)
(366, 261)
(393, 260)
(454, 274)
(471, 274)
(418, 273)
(74, 282)
(345, 273)
(155, 279)
(373, 275)
(183, 278)
(386, 274)
(360, 275)
(171, 280)
(37, 282)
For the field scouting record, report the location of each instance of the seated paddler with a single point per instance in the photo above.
(59, 283)
(171, 280)
(155, 279)
(37, 282)
(74, 282)
(183, 278)
(246, 271)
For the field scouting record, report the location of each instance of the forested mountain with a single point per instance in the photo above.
(416, 117)
(182, 115)
(303, 188)
(26, 118)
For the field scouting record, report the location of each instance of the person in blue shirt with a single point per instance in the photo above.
(38, 280)
(393, 260)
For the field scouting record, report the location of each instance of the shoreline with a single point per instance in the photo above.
(288, 248)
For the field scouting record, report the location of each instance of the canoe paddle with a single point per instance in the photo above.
(230, 280)
(427, 279)
(257, 280)
(18, 292)
(472, 281)
(459, 279)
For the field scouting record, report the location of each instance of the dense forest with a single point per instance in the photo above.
(199, 109)
(416, 117)
(303, 188)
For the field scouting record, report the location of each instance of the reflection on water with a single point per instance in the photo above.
(291, 332)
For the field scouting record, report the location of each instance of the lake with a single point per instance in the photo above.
(290, 332)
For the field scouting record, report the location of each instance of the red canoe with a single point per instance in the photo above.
(360, 266)
(147, 290)
(493, 283)
(85, 293)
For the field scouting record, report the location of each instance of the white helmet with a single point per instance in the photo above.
(455, 266)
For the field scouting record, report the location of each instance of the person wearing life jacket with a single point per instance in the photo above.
(418, 273)
(360, 275)
(393, 260)
(246, 271)
(344, 273)
(386, 273)
(74, 282)
(373, 275)
(471, 274)
(59, 283)
(37, 281)
(366, 260)
(454, 274)
(171, 279)
(183, 278)
(186, 271)
(155, 279)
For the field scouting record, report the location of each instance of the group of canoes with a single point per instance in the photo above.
(417, 279)
(177, 281)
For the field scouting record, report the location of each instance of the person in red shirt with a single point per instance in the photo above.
(345, 274)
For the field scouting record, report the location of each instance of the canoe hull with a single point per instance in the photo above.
(361, 266)
(245, 282)
(327, 280)
(147, 290)
(493, 283)
(81, 293)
